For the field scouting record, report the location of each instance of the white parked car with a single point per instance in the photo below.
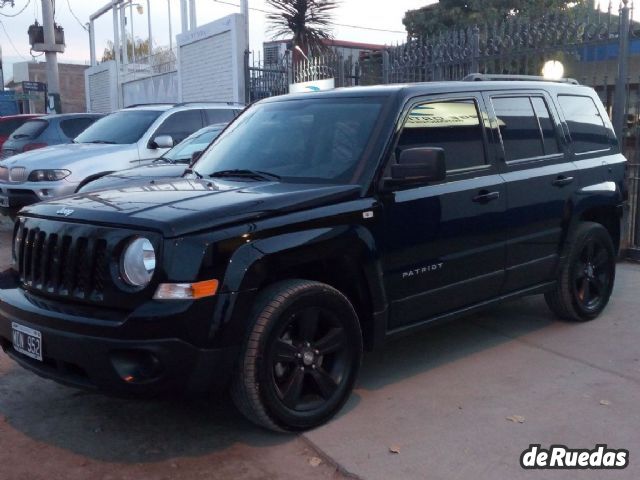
(127, 138)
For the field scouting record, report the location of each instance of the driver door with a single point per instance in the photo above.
(445, 243)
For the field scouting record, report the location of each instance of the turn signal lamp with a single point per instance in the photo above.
(186, 291)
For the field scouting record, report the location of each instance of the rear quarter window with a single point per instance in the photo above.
(30, 129)
(7, 127)
(586, 125)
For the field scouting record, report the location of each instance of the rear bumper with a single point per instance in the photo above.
(74, 357)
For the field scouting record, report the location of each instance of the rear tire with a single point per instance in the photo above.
(301, 357)
(586, 276)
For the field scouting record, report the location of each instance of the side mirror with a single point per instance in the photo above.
(161, 141)
(418, 166)
(195, 156)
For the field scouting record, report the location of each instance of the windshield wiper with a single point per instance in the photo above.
(164, 160)
(259, 174)
(106, 142)
(195, 172)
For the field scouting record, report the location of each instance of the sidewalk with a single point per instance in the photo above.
(443, 397)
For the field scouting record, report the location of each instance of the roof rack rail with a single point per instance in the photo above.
(480, 77)
(231, 104)
(149, 104)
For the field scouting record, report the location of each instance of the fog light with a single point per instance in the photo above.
(136, 366)
(186, 291)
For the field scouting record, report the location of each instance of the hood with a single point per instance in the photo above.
(64, 155)
(181, 206)
(126, 177)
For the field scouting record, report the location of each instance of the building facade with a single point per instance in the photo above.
(72, 86)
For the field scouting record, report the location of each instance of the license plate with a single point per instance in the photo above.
(4, 201)
(27, 341)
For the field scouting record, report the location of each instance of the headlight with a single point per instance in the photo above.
(138, 262)
(48, 175)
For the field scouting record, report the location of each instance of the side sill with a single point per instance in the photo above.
(433, 321)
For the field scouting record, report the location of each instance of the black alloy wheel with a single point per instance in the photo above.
(301, 356)
(586, 276)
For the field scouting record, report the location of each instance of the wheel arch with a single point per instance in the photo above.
(344, 257)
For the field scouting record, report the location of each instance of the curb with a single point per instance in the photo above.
(328, 459)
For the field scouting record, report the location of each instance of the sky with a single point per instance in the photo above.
(376, 14)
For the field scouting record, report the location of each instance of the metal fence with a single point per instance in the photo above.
(593, 45)
(160, 62)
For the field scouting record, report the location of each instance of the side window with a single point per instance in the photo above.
(75, 126)
(219, 115)
(452, 125)
(586, 127)
(180, 125)
(547, 127)
(519, 129)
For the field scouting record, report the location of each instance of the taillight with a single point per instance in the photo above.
(33, 146)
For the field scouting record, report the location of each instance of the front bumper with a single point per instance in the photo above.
(18, 195)
(99, 353)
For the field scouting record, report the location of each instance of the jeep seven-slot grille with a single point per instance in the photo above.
(61, 264)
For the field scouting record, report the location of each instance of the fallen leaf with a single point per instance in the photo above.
(516, 418)
(605, 402)
(394, 448)
(315, 461)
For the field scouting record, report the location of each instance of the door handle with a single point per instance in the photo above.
(562, 181)
(485, 196)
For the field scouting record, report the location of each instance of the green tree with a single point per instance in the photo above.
(447, 14)
(141, 48)
(308, 22)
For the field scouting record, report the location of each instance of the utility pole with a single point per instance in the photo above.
(53, 77)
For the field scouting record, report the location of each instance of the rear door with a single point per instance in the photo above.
(444, 243)
(540, 180)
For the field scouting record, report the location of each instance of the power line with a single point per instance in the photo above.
(10, 41)
(18, 13)
(76, 17)
(337, 24)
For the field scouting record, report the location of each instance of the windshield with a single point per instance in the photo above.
(30, 129)
(126, 126)
(197, 142)
(315, 140)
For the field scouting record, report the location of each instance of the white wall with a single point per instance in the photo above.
(211, 62)
(161, 88)
(101, 88)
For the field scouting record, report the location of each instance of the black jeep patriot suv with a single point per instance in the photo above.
(315, 226)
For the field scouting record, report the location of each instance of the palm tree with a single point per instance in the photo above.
(308, 21)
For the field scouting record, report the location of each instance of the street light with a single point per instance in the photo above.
(553, 70)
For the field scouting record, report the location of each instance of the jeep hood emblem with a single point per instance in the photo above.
(65, 212)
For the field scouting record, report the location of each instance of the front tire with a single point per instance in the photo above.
(587, 275)
(301, 357)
